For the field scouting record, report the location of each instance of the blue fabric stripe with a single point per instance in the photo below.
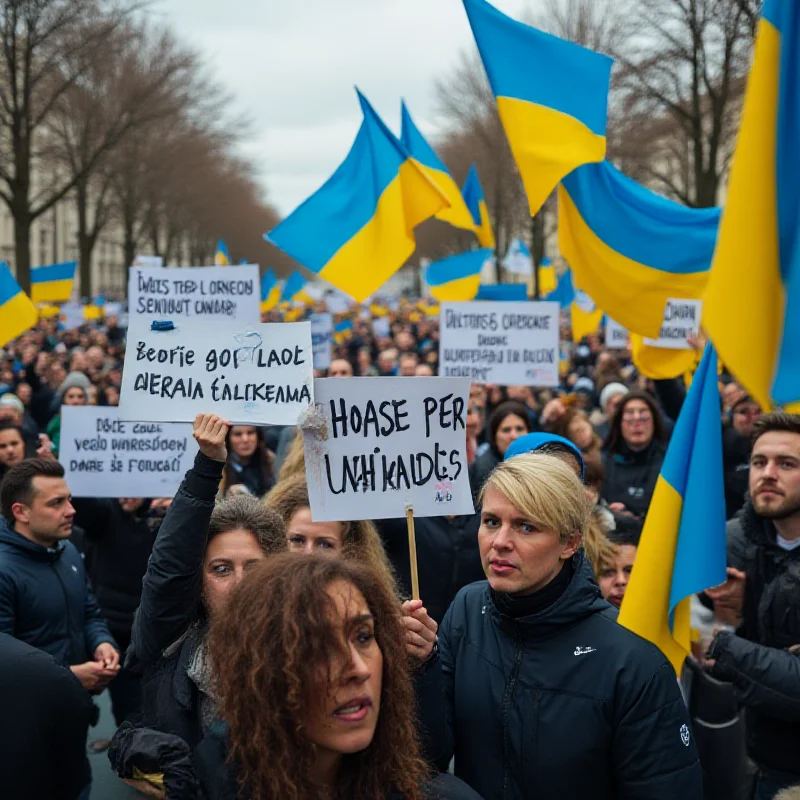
(294, 284)
(54, 272)
(463, 265)
(642, 225)
(528, 64)
(268, 281)
(473, 194)
(503, 291)
(417, 145)
(564, 293)
(9, 288)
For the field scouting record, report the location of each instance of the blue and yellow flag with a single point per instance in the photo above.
(564, 293)
(221, 257)
(53, 284)
(415, 143)
(458, 277)
(270, 291)
(342, 331)
(661, 363)
(552, 96)
(547, 277)
(476, 203)
(682, 549)
(358, 229)
(630, 248)
(751, 308)
(17, 312)
(503, 292)
(293, 288)
(586, 315)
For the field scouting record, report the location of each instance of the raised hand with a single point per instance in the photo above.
(210, 431)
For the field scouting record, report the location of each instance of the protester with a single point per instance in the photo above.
(736, 451)
(574, 425)
(340, 368)
(610, 397)
(614, 573)
(12, 446)
(536, 676)
(73, 391)
(250, 464)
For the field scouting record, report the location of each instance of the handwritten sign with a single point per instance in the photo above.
(207, 293)
(106, 457)
(321, 339)
(504, 343)
(390, 441)
(251, 375)
(616, 335)
(681, 321)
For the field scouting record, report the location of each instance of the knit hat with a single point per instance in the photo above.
(72, 381)
(12, 401)
(611, 390)
(585, 385)
(532, 442)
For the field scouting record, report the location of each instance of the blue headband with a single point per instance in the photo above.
(532, 442)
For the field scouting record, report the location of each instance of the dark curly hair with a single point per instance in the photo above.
(270, 644)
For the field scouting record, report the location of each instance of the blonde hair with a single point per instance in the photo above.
(360, 539)
(295, 461)
(600, 551)
(545, 490)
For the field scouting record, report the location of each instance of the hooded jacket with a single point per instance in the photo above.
(45, 599)
(564, 703)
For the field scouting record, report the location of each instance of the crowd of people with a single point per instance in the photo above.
(250, 652)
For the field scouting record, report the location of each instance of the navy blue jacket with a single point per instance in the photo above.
(45, 599)
(565, 703)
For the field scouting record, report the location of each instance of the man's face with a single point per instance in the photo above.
(12, 448)
(775, 475)
(408, 366)
(340, 368)
(10, 414)
(49, 516)
(744, 417)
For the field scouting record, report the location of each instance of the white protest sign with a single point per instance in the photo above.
(338, 303)
(113, 309)
(151, 262)
(250, 375)
(381, 328)
(616, 335)
(106, 457)
(207, 293)
(321, 339)
(390, 442)
(499, 342)
(681, 321)
(72, 316)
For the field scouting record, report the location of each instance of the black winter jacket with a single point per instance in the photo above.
(560, 704)
(771, 618)
(120, 545)
(45, 599)
(736, 469)
(166, 629)
(631, 477)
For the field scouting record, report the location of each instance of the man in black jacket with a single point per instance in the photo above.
(762, 595)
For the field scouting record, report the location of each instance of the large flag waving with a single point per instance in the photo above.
(682, 549)
(17, 312)
(632, 249)
(476, 203)
(752, 304)
(457, 278)
(52, 284)
(358, 229)
(417, 145)
(552, 96)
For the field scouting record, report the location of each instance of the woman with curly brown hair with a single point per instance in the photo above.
(315, 690)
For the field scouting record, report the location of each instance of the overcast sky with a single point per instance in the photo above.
(291, 66)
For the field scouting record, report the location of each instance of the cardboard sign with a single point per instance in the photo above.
(321, 339)
(150, 262)
(390, 442)
(503, 343)
(616, 335)
(106, 457)
(206, 293)
(249, 375)
(681, 321)
(381, 327)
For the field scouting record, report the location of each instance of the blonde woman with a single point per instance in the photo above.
(541, 694)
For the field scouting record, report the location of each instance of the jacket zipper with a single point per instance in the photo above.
(507, 706)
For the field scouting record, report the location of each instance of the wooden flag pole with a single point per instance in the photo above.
(412, 552)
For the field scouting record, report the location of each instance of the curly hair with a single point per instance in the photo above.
(249, 513)
(270, 645)
(360, 539)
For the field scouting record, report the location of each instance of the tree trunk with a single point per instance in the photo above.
(22, 248)
(85, 242)
(537, 249)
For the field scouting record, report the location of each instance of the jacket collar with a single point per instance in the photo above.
(18, 543)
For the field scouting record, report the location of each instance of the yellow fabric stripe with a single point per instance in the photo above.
(584, 323)
(16, 316)
(51, 292)
(458, 214)
(484, 232)
(455, 291)
(659, 363)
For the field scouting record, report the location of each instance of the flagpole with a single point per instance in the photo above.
(412, 552)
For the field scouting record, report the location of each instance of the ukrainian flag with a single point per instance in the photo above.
(358, 229)
(221, 257)
(503, 292)
(52, 284)
(552, 96)
(586, 316)
(661, 363)
(342, 331)
(378, 311)
(293, 288)
(564, 293)
(682, 550)
(630, 248)
(476, 203)
(458, 277)
(751, 308)
(270, 291)
(547, 277)
(17, 312)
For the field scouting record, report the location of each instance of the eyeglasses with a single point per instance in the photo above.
(630, 416)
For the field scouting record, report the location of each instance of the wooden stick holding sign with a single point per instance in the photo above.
(412, 552)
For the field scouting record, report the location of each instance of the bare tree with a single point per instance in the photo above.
(600, 25)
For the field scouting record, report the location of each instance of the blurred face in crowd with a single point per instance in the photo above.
(112, 396)
(243, 441)
(495, 394)
(228, 557)
(580, 432)
(511, 428)
(404, 341)
(130, 504)
(364, 360)
(604, 361)
(476, 418)
(95, 356)
(24, 393)
(775, 475)
(345, 702)
(340, 368)
(7, 375)
(518, 557)
(744, 417)
(305, 536)
(57, 374)
(613, 404)
(730, 394)
(12, 448)
(48, 519)
(408, 365)
(74, 396)
(613, 577)
(78, 362)
(91, 395)
(521, 393)
(637, 424)
(387, 360)
(10, 414)
(424, 371)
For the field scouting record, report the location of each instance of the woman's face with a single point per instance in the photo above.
(518, 556)
(112, 396)
(228, 557)
(347, 698)
(637, 424)
(243, 440)
(512, 427)
(613, 578)
(74, 397)
(580, 432)
(305, 536)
